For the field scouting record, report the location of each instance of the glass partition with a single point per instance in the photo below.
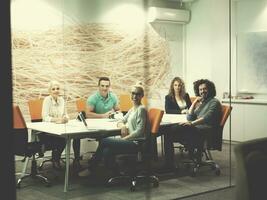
(76, 42)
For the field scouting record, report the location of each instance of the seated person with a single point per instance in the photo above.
(177, 101)
(99, 105)
(54, 110)
(203, 116)
(104, 102)
(135, 124)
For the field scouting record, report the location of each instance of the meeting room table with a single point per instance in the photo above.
(96, 128)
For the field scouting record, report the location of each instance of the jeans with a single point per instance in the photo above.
(108, 148)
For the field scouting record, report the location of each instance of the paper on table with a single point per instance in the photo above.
(174, 118)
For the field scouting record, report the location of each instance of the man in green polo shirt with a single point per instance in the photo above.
(104, 102)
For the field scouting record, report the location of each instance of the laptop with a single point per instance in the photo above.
(82, 118)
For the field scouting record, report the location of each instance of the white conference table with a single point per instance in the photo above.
(97, 128)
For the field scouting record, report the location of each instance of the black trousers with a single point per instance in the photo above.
(190, 136)
(51, 142)
(57, 145)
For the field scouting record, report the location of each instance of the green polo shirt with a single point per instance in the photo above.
(100, 104)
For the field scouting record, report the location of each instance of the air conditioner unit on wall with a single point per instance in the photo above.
(157, 14)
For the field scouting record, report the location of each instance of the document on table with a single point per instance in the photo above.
(173, 118)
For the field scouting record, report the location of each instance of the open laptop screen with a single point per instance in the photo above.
(82, 118)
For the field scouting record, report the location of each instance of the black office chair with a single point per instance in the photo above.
(212, 141)
(24, 148)
(251, 173)
(141, 161)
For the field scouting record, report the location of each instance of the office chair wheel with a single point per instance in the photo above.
(18, 185)
(47, 184)
(194, 172)
(155, 184)
(212, 167)
(132, 188)
(218, 172)
(40, 167)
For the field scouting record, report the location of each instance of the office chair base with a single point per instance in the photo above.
(38, 176)
(196, 161)
(40, 167)
(34, 174)
(133, 180)
(196, 165)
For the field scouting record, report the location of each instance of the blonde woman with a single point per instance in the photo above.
(54, 110)
(135, 124)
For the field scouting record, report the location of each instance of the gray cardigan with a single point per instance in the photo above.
(210, 110)
(137, 122)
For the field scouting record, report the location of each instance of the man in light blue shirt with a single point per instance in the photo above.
(103, 103)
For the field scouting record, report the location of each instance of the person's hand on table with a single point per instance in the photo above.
(189, 123)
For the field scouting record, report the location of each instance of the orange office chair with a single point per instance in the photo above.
(35, 109)
(144, 155)
(24, 148)
(126, 102)
(213, 143)
(81, 105)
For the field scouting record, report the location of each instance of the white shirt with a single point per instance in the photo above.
(181, 104)
(52, 109)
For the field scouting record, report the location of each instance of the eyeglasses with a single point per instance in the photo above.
(136, 93)
(55, 88)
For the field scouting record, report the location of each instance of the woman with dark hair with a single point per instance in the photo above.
(203, 116)
(177, 101)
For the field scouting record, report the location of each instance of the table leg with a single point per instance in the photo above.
(162, 145)
(24, 167)
(67, 152)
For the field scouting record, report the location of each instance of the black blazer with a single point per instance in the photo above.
(171, 106)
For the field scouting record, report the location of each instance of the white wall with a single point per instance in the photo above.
(248, 119)
(250, 16)
(133, 14)
(207, 44)
(207, 55)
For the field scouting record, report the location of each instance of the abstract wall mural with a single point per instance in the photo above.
(77, 55)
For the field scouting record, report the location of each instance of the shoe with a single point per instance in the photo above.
(84, 173)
